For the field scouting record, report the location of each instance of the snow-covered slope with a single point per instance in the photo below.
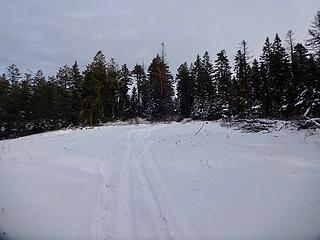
(160, 182)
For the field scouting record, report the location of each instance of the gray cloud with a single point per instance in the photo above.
(48, 34)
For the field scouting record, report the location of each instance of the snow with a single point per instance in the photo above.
(161, 181)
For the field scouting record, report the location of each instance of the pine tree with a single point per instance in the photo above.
(25, 102)
(202, 75)
(76, 90)
(266, 80)
(161, 104)
(223, 86)
(13, 74)
(4, 92)
(280, 73)
(208, 84)
(94, 77)
(111, 90)
(185, 90)
(314, 31)
(242, 77)
(63, 97)
(124, 99)
(143, 90)
(13, 108)
(134, 103)
(256, 88)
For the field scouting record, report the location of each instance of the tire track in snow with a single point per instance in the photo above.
(125, 224)
(151, 200)
(135, 202)
(104, 216)
(175, 220)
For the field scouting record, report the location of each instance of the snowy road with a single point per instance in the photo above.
(135, 191)
(160, 182)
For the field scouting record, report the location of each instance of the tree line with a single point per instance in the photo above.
(284, 83)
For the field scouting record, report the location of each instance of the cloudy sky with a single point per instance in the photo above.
(47, 34)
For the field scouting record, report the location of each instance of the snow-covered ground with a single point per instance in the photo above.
(161, 182)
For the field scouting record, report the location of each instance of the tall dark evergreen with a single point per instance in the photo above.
(267, 105)
(134, 103)
(280, 73)
(313, 90)
(184, 90)
(143, 90)
(202, 75)
(314, 32)
(4, 93)
(242, 87)
(111, 91)
(161, 83)
(222, 86)
(124, 99)
(76, 91)
(63, 96)
(13, 108)
(25, 97)
(94, 78)
(256, 88)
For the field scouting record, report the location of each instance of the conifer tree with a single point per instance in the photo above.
(111, 90)
(223, 86)
(63, 96)
(76, 90)
(256, 88)
(13, 109)
(161, 104)
(4, 92)
(185, 90)
(94, 77)
(124, 99)
(25, 102)
(314, 32)
(280, 73)
(143, 89)
(209, 91)
(266, 80)
(134, 103)
(242, 77)
(202, 75)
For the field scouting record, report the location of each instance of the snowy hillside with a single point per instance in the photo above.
(161, 182)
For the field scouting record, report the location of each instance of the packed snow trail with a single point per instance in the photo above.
(161, 182)
(136, 196)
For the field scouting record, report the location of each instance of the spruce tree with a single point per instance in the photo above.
(134, 103)
(111, 90)
(267, 84)
(124, 99)
(256, 88)
(161, 83)
(280, 73)
(25, 103)
(184, 90)
(223, 86)
(202, 75)
(143, 89)
(242, 77)
(63, 96)
(75, 91)
(314, 32)
(13, 108)
(4, 92)
(94, 78)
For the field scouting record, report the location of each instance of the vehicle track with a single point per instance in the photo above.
(135, 201)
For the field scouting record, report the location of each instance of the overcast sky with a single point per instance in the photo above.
(47, 34)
